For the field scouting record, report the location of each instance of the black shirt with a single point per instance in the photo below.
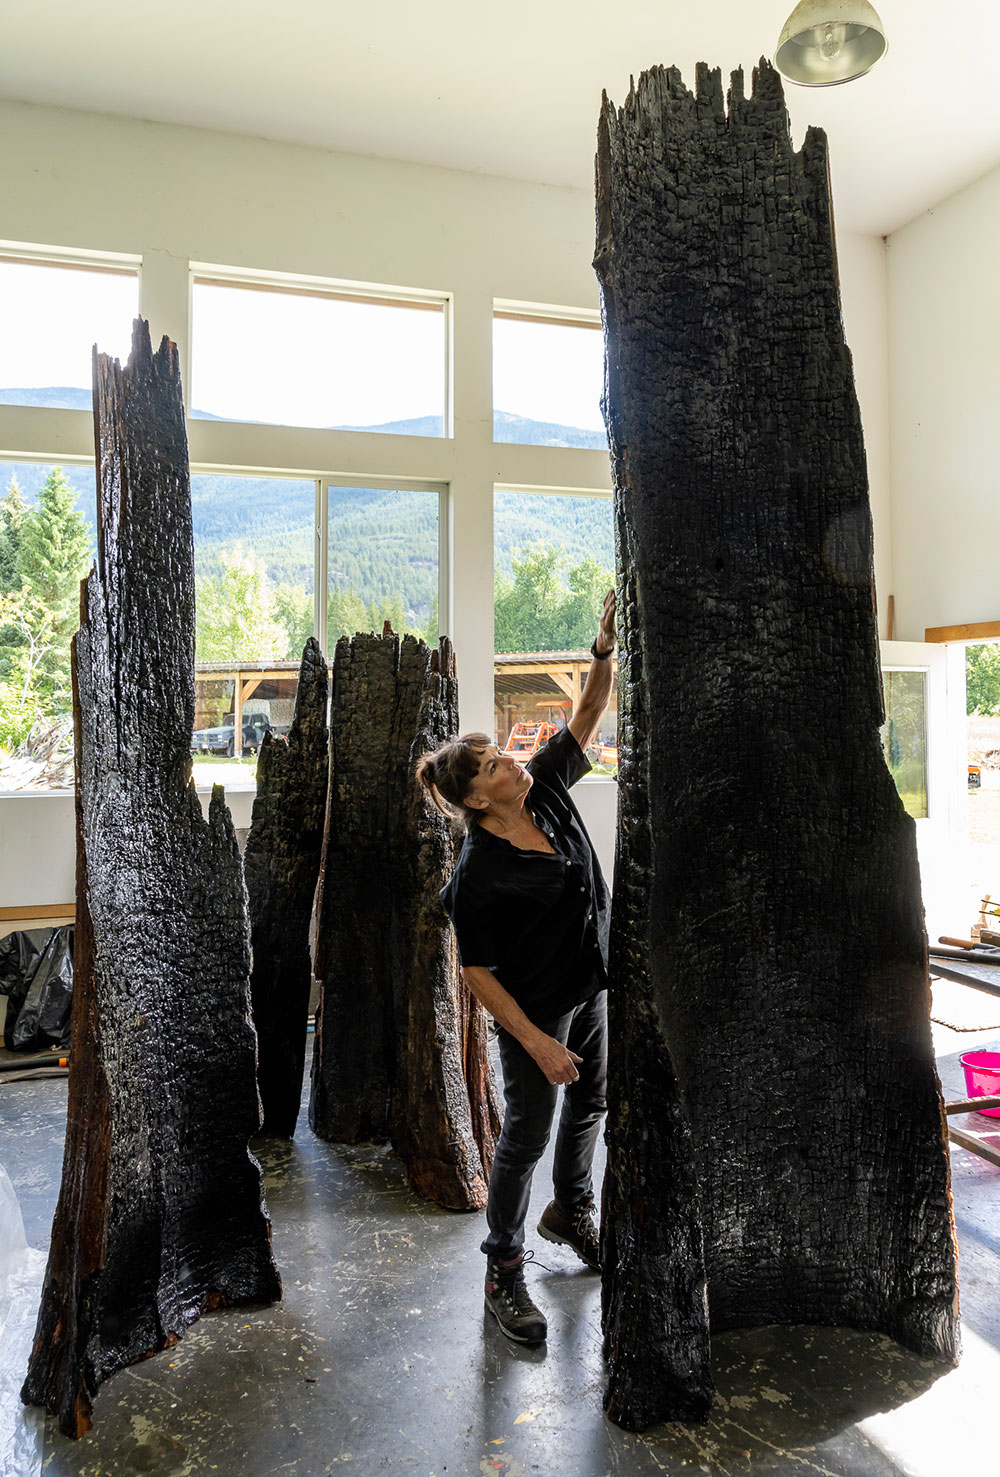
(538, 921)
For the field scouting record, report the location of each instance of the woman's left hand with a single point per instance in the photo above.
(606, 630)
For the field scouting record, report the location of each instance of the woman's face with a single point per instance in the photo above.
(501, 781)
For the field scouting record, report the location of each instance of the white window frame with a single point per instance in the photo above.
(338, 290)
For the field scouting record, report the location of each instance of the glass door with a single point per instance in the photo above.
(923, 740)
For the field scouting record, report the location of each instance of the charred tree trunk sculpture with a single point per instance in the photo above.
(445, 1118)
(281, 862)
(161, 1212)
(400, 1048)
(776, 1151)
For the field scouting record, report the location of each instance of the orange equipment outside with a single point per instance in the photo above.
(525, 738)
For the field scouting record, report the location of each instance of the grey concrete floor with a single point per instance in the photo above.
(380, 1358)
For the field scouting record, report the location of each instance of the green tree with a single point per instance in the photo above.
(588, 582)
(982, 675)
(47, 549)
(293, 609)
(389, 608)
(13, 511)
(526, 609)
(27, 689)
(236, 615)
(55, 554)
(345, 614)
(431, 633)
(536, 611)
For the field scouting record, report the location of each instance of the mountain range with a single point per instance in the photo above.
(383, 541)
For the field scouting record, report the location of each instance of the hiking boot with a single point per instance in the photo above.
(507, 1299)
(574, 1228)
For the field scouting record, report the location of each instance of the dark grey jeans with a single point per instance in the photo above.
(531, 1103)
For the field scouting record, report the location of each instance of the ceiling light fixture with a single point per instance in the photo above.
(824, 42)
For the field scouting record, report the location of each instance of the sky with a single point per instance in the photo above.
(290, 359)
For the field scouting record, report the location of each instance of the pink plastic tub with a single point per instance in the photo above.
(982, 1077)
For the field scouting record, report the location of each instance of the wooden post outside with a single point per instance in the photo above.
(238, 716)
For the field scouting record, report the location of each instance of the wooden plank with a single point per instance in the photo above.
(974, 1144)
(765, 1073)
(982, 631)
(238, 718)
(161, 1213)
(28, 911)
(973, 1105)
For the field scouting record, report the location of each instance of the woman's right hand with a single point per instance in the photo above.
(555, 1060)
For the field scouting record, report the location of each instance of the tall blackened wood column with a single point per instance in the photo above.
(281, 862)
(161, 1212)
(776, 1151)
(394, 1021)
(445, 1116)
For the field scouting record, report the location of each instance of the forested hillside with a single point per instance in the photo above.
(254, 546)
(371, 530)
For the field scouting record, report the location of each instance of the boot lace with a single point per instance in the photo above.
(512, 1285)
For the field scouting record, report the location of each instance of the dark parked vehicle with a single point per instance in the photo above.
(220, 740)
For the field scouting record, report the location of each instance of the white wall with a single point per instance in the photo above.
(863, 292)
(175, 195)
(944, 353)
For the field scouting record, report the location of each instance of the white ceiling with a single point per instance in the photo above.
(514, 89)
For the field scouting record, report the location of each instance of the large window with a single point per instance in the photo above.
(309, 357)
(382, 561)
(51, 315)
(554, 563)
(46, 548)
(254, 542)
(547, 377)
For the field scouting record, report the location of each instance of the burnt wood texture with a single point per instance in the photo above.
(281, 863)
(161, 1212)
(775, 1137)
(400, 1050)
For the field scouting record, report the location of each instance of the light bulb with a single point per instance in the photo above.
(830, 38)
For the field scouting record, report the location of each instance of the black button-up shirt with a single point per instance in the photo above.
(538, 921)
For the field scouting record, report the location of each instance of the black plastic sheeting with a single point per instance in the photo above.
(36, 975)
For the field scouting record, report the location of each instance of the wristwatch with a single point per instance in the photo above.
(600, 656)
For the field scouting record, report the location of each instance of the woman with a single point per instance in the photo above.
(530, 909)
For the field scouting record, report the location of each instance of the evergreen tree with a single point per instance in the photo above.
(13, 511)
(44, 553)
(55, 554)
